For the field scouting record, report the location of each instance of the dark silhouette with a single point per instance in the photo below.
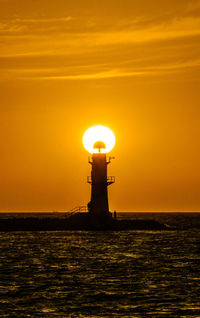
(78, 221)
(98, 216)
(98, 207)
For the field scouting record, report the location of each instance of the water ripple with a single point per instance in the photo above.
(99, 274)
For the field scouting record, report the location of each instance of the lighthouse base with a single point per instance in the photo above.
(100, 220)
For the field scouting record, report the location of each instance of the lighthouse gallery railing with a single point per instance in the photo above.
(109, 180)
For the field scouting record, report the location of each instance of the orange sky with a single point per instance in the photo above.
(130, 65)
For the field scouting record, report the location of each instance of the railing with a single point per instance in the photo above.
(77, 209)
(89, 179)
(109, 180)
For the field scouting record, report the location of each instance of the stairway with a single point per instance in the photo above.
(77, 209)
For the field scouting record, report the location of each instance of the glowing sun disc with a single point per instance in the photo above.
(98, 133)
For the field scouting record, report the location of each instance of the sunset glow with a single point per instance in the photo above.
(98, 133)
(132, 66)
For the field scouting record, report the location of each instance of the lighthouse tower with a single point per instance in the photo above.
(98, 207)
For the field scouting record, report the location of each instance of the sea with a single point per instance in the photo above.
(103, 273)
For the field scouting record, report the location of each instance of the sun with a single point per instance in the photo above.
(98, 133)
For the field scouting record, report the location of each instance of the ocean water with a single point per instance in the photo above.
(100, 274)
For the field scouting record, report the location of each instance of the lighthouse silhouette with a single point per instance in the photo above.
(98, 206)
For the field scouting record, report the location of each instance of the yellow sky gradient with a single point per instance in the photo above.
(133, 66)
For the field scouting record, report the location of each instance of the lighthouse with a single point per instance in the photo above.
(98, 206)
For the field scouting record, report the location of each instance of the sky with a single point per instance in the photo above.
(133, 66)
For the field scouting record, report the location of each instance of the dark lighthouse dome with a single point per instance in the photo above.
(99, 145)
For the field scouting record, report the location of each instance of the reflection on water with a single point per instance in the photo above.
(100, 274)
